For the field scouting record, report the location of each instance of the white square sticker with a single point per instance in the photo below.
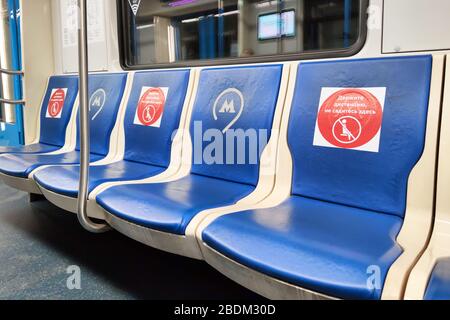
(56, 103)
(350, 118)
(150, 108)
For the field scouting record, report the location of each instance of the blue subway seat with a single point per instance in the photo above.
(106, 91)
(147, 148)
(439, 284)
(64, 180)
(22, 165)
(31, 148)
(242, 98)
(324, 247)
(169, 207)
(339, 226)
(52, 129)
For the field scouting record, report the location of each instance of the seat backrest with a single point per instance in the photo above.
(56, 110)
(234, 106)
(357, 128)
(105, 97)
(153, 114)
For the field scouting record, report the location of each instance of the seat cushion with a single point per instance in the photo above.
(63, 180)
(169, 207)
(320, 246)
(439, 285)
(32, 148)
(22, 165)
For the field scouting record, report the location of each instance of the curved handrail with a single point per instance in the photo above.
(9, 101)
(12, 72)
(83, 218)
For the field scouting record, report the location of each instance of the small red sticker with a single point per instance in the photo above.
(56, 103)
(350, 118)
(150, 107)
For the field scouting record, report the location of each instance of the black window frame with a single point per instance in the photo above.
(125, 53)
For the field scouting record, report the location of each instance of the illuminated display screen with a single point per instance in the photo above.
(268, 26)
(288, 23)
(276, 25)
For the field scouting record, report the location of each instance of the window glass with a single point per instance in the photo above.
(165, 31)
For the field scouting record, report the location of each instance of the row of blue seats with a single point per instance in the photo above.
(321, 212)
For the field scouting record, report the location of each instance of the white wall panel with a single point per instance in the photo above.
(416, 25)
(65, 17)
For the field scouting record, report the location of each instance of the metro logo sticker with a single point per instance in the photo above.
(350, 118)
(56, 103)
(150, 109)
(229, 106)
(97, 102)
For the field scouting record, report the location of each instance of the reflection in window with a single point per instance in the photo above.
(181, 30)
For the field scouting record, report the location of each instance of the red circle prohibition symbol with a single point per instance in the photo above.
(350, 118)
(56, 103)
(151, 106)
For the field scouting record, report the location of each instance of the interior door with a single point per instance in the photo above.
(11, 115)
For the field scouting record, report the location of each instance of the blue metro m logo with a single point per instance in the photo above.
(228, 107)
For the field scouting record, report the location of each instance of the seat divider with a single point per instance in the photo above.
(439, 246)
(417, 226)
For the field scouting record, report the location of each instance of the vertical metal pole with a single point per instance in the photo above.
(347, 22)
(221, 27)
(202, 37)
(84, 123)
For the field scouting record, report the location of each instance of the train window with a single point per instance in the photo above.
(198, 32)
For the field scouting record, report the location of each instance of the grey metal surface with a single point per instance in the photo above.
(23, 184)
(12, 72)
(168, 242)
(11, 101)
(266, 286)
(83, 64)
(39, 242)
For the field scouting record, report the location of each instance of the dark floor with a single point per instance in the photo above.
(38, 242)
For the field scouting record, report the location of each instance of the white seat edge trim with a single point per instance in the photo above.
(417, 226)
(439, 246)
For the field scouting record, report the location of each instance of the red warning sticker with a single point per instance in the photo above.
(150, 109)
(350, 118)
(56, 103)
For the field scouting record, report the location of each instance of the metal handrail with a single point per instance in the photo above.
(9, 101)
(83, 218)
(12, 72)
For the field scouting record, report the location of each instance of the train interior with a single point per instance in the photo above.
(282, 150)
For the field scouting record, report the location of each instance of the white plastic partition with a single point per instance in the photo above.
(439, 246)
